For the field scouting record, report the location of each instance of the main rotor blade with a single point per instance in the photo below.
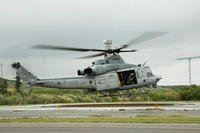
(142, 38)
(91, 56)
(128, 50)
(41, 46)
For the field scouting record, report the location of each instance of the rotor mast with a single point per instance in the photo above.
(108, 46)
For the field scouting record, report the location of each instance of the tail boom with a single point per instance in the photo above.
(66, 83)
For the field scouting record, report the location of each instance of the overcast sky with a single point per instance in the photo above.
(86, 23)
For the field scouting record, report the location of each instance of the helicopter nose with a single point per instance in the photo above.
(158, 78)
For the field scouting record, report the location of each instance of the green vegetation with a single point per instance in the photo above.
(176, 93)
(3, 86)
(110, 119)
(18, 85)
(191, 93)
(41, 95)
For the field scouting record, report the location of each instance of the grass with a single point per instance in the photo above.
(42, 95)
(49, 91)
(109, 119)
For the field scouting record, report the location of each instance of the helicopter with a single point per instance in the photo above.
(107, 75)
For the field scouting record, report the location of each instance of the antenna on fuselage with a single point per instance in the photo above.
(108, 46)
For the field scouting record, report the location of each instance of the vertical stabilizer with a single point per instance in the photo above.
(26, 76)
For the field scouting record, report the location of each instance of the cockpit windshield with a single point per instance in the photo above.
(149, 72)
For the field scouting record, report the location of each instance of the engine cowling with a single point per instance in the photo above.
(16, 65)
(86, 71)
(80, 72)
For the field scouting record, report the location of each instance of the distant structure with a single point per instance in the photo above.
(189, 62)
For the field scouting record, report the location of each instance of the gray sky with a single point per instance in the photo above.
(87, 23)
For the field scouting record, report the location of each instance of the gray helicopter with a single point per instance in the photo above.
(105, 75)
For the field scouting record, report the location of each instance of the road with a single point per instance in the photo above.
(98, 128)
(67, 110)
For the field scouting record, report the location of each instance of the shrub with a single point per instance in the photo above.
(3, 86)
(68, 100)
(190, 93)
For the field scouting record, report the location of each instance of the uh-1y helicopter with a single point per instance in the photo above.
(105, 75)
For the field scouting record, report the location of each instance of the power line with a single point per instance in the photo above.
(189, 64)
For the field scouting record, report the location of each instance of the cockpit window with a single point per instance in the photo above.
(148, 69)
(149, 72)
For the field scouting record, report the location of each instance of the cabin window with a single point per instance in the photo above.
(127, 77)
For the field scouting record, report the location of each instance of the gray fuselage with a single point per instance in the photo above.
(111, 73)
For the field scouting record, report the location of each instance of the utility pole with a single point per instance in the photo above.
(190, 77)
(189, 63)
(1, 70)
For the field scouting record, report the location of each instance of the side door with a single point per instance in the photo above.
(107, 81)
(112, 81)
(101, 82)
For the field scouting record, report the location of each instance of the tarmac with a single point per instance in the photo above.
(98, 128)
(101, 109)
